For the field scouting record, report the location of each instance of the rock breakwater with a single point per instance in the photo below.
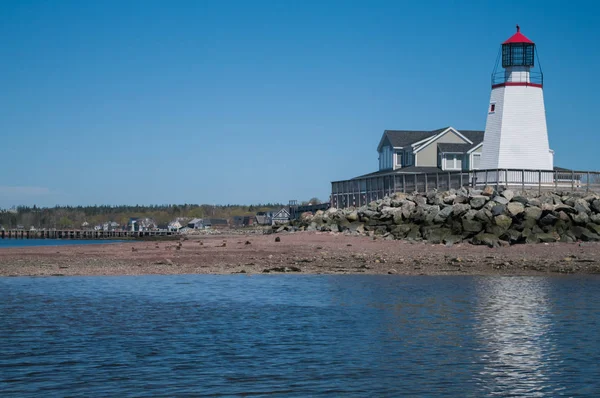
(481, 217)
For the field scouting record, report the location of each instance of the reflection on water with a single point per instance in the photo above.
(202, 335)
(513, 327)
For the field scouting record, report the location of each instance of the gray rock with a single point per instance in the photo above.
(595, 218)
(535, 202)
(520, 199)
(548, 237)
(595, 228)
(498, 209)
(443, 214)
(452, 239)
(566, 208)
(484, 215)
(596, 205)
(401, 231)
(414, 233)
(503, 221)
(461, 199)
(449, 199)
(459, 209)
(486, 239)
(582, 206)
(508, 194)
(533, 212)
(548, 219)
(515, 208)
(470, 214)
(477, 202)
(472, 226)
(435, 234)
(352, 216)
(512, 236)
(501, 200)
(580, 218)
(585, 234)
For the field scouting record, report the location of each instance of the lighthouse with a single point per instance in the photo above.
(516, 136)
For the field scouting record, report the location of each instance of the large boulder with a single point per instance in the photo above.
(352, 216)
(503, 221)
(485, 239)
(533, 212)
(595, 218)
(407, 208)
(500, 200)
(471, 226)
(596, 205)
(488, 191)
(595, 228)
(459, 209)
(508, 194)
(580, 218)
(548, 237)
(585, 234)
(443, 214)
(477, 202)
(484, 215)
(435, 234)
(498, 209)
(400, 231)
(520, 199)
(515, 208)
(582, 206)
(512, 236)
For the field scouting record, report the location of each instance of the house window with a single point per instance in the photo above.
(399, 159)
(476, 161)
(492, 108)
(452, 162)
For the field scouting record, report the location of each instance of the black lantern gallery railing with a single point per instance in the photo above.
(534, 78)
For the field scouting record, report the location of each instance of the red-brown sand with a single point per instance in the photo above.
(303, 252)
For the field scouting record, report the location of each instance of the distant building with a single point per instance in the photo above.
(204, 223)
(141, 224)
(264, 218)
(85, 225)
(195, 223)
(281, 217)
(216, 223)
(174, 226)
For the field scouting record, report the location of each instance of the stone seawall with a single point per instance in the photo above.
(481, 217)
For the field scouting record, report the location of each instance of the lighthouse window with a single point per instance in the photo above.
(492, 108)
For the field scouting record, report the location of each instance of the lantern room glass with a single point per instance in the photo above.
(517, 54)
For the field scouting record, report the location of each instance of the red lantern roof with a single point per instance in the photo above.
(518, 38)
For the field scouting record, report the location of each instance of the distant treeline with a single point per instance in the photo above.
(74, 217)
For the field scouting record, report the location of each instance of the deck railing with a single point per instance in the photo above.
(361, 191)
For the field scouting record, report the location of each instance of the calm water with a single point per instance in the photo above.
(299, 336)
(50, 242)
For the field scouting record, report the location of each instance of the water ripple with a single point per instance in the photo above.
(299, 336)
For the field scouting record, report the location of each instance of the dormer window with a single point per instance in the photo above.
(399, 159)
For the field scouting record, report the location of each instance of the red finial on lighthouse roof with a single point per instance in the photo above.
(518, 38)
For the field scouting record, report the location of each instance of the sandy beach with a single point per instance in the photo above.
(303, 253)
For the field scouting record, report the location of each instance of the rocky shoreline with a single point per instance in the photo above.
(480, 217)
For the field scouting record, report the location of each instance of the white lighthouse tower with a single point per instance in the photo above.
(516, 136)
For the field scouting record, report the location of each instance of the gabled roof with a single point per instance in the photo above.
(405, 138)
(402, 138)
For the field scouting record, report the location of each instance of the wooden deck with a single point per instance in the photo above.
(81, 234)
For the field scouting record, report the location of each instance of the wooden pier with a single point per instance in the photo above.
(82, 234)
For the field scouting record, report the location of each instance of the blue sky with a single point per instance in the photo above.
(152, 102)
